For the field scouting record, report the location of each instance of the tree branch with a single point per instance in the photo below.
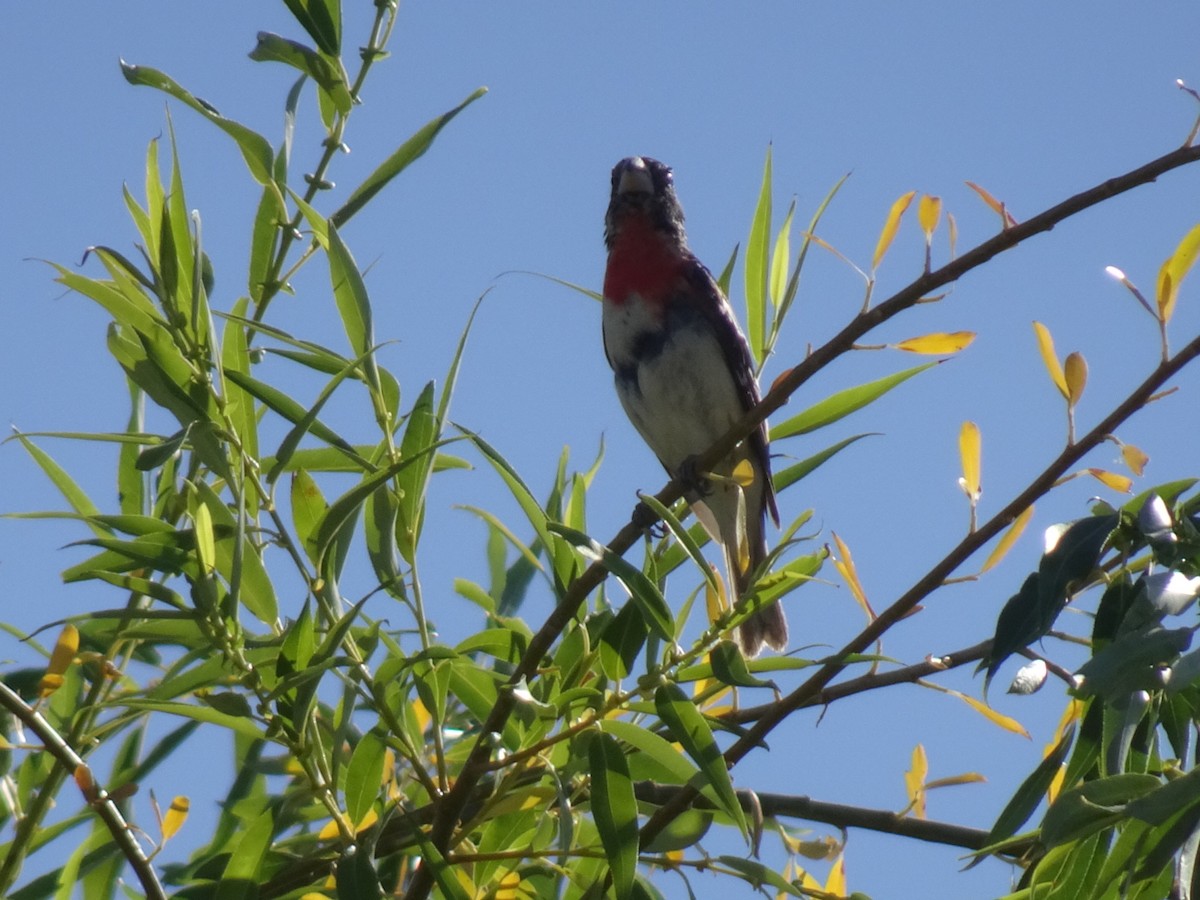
(450, 805)
(100, 802)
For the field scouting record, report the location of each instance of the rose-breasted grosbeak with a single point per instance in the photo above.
(684, 372)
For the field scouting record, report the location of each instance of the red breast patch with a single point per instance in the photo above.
(643, 262)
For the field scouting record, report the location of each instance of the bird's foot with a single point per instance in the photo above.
(645, 519)
(694, 482)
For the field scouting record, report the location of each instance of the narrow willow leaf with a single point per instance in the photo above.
(690, 729)
(1007, 540)
(255, 149)
(72, 492)
(1006, 722)
(841, 404)
(364, 776)
(322, 19)
(1075, 373)
(1029, 795)
(61, 658)
(914, 781)
(177, 814)
(969, 452)
(325, 70)
(245, 862)
(726, 275)
(614, 809)
(755, 265)
(655, 757)
(1134, 458)
(682, 535)
(890, 226)
(1117, 482)
(419, 434)
(1050, 359)
(785, 478)
(407, 153)
(642, 590)
(353, 305)
(308, 509)
(1173, 271)
(929, 212)
(993, 204)
(938, 342)
(264, 240)
(241, 566)
(781, 258)
(844, 563)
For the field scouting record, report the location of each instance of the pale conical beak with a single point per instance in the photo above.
(635, 179)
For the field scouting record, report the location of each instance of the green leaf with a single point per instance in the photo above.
(419, 435)
(841, 404)
(308, 509)
(756, 265)
(781, 258)
(761, 874)
(255, 149)
(322, 19)
(235, 724)
(72, 492)
(407, 153)
(645, 593)
(726, 275)
(729, 667)
(364, 776)
(785, 478)
(689, 728)
(1032, 791)
(683, 535)
(325, 70)
(1093, 805)
(241, 566)
(351, 294)
(244, 869)
(614, 809)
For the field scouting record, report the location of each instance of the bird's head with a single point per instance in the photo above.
(643, 191)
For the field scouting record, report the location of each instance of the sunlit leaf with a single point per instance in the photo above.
(614, 808)
(842, 403)
(1075, 374)
(937, 343)
(756, 262)
(1006, 722)
(1122, 483)
(1173, 271)
(929, 211)
(364, 776)
(61, 658)
(890, 226)
(914, 781)
(1134, 458)
(1050, 359)
(995, 205)
(844, 563)
(1010, 536)
(969, 451)
(176, 815)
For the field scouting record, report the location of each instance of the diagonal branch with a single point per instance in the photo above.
(450, 805)
(66, 756)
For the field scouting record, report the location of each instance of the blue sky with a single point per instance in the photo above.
(1032, 101)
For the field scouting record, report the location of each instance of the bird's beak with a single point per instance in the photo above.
(635, 179)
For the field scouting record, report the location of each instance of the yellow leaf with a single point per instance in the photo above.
(1121, 483)
(421, 714)
(890, 227)
(937, 343)
(824, 848)
(1008, 539)
(1005, 722)
(1056, 784)
(844, 563)
(743, 473)
(1075, 372)
(929, 212)
(914, 781)
(1173, 271)
(176, 815)
(1134, 458)
(1046, 346)
(995, 205)
(836, 883)
(970, 451)
(329, 831)
(954, 780)
(61, 658)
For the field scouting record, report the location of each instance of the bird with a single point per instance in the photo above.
(684, 375)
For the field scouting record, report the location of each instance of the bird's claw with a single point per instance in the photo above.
(646, 520)
(693, 481)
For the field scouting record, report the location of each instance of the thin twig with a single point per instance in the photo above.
(105, 808)
(450, 806)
